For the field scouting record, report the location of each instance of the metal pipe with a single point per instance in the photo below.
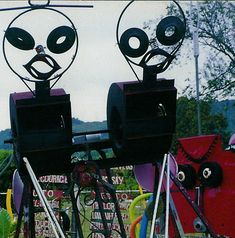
(176, 218)
(167, 197)
(158, 197)
(44, 6)
(194, 31)
(46, 206)
(76, 211)
(198, 97)
(90, 132)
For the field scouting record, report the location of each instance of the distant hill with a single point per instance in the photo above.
(81, 126)
(4, 135)
(226, 107)
(78, 126)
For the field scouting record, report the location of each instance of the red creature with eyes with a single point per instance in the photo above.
(207, 172)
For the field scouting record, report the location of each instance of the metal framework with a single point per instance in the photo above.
(161, 117)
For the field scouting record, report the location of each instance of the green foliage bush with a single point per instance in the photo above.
(5, 224)
(6, 177)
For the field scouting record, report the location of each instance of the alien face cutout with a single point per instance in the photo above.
(40, 44)
(153, 42)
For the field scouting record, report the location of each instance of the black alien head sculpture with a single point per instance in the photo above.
(154, 52)
(40, 44)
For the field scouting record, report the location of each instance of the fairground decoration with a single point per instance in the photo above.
(201, 185)
(206, 171)
(41, 118)
(140, 116)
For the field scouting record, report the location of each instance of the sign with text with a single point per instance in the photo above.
(42, 225)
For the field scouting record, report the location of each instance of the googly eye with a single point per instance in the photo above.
(181, 176)
(210, 174)
(187, 175)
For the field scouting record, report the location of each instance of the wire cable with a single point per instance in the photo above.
(10, 158)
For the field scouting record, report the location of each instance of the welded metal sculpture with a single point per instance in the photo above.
(31, 49)
(154, 53)
(41, 119)
(141, 115)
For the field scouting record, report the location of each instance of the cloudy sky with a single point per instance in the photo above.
(99, 61)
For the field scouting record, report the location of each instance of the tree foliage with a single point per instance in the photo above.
(186, 122)
(6, 176)
(5, 223)
(216, 22)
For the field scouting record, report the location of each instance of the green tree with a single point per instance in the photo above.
(130, 182)
(216, 23)
(186, 119)
(5, 223)
(5, 175)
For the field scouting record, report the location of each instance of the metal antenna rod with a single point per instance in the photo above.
(46, 206)
(194, 31)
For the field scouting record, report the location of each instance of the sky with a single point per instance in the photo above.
(99, 61)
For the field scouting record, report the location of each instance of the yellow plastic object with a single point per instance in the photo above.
(141, 193)
(8, 203)
(132, 209)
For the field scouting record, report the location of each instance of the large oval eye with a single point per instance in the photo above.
(61, 39)
(137, 49)
(20, 38)
(170, 30)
